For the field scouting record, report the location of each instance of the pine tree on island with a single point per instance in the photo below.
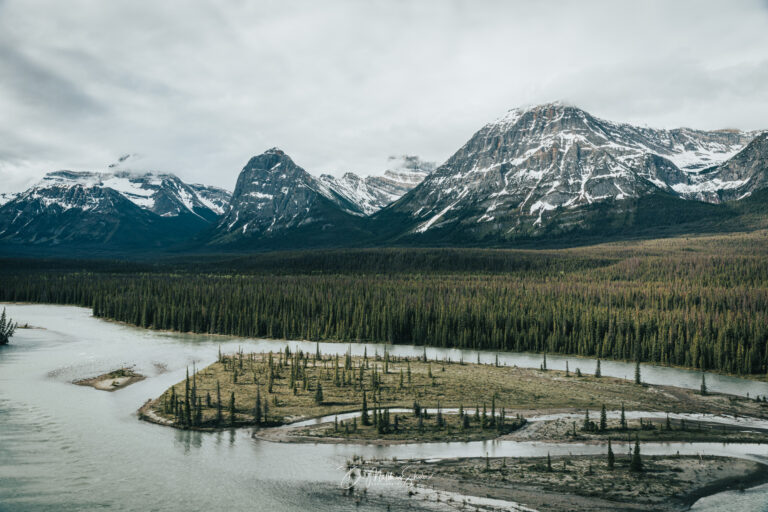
(257, 408)
(611, 456)
(232, 409)
(603, 419)
(364, 417)
(218, 404)
(636, 464)
(623, 419)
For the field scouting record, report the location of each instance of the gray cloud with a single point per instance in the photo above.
(340, 85)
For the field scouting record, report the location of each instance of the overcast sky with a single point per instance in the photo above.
(197, 88)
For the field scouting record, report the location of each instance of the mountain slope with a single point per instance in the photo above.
(735, 178)
(515, 174)
(371, 193)
(276, 202)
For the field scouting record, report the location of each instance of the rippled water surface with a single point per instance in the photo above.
(68, 447)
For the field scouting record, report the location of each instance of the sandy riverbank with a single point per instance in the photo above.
(113, 380)
(585, 483)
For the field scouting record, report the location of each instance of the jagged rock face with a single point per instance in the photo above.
(54, 215)
(214, 198)
(532, 161)
(163, 194)
(273, 194)
(94, 207)
(372, 193)
(734, 179)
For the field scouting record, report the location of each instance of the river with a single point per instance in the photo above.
(67, 447)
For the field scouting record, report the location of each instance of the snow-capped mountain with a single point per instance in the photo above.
(516, 170)
(163, 194)
(69, 206)
(6, 197)
(544, 171)
(732, 180)
(372, 193)
(274, 195)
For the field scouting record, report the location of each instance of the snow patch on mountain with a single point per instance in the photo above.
(6, 197)
(371, 193)
(163, 194)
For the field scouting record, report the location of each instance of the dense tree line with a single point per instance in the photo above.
(706, 311)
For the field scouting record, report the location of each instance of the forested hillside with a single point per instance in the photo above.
(699, 303)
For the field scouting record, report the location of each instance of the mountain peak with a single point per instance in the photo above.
(551, 111)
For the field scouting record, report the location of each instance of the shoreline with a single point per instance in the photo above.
(734, 473)
(112, 381)
(748, 377)
(291, 432)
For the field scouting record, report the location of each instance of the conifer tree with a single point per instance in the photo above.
(187, 405)
(637, 372)
(636, 464)
(218, 404)
(364, 416)
(623, 418)
(257, 407)
(319, 393)
(232, 409)
(611, 456)
(598, 373)
(7, 328)
(703, 385)
(549, 463)
(603, 419)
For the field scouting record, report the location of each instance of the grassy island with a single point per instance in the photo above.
(443, 400)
